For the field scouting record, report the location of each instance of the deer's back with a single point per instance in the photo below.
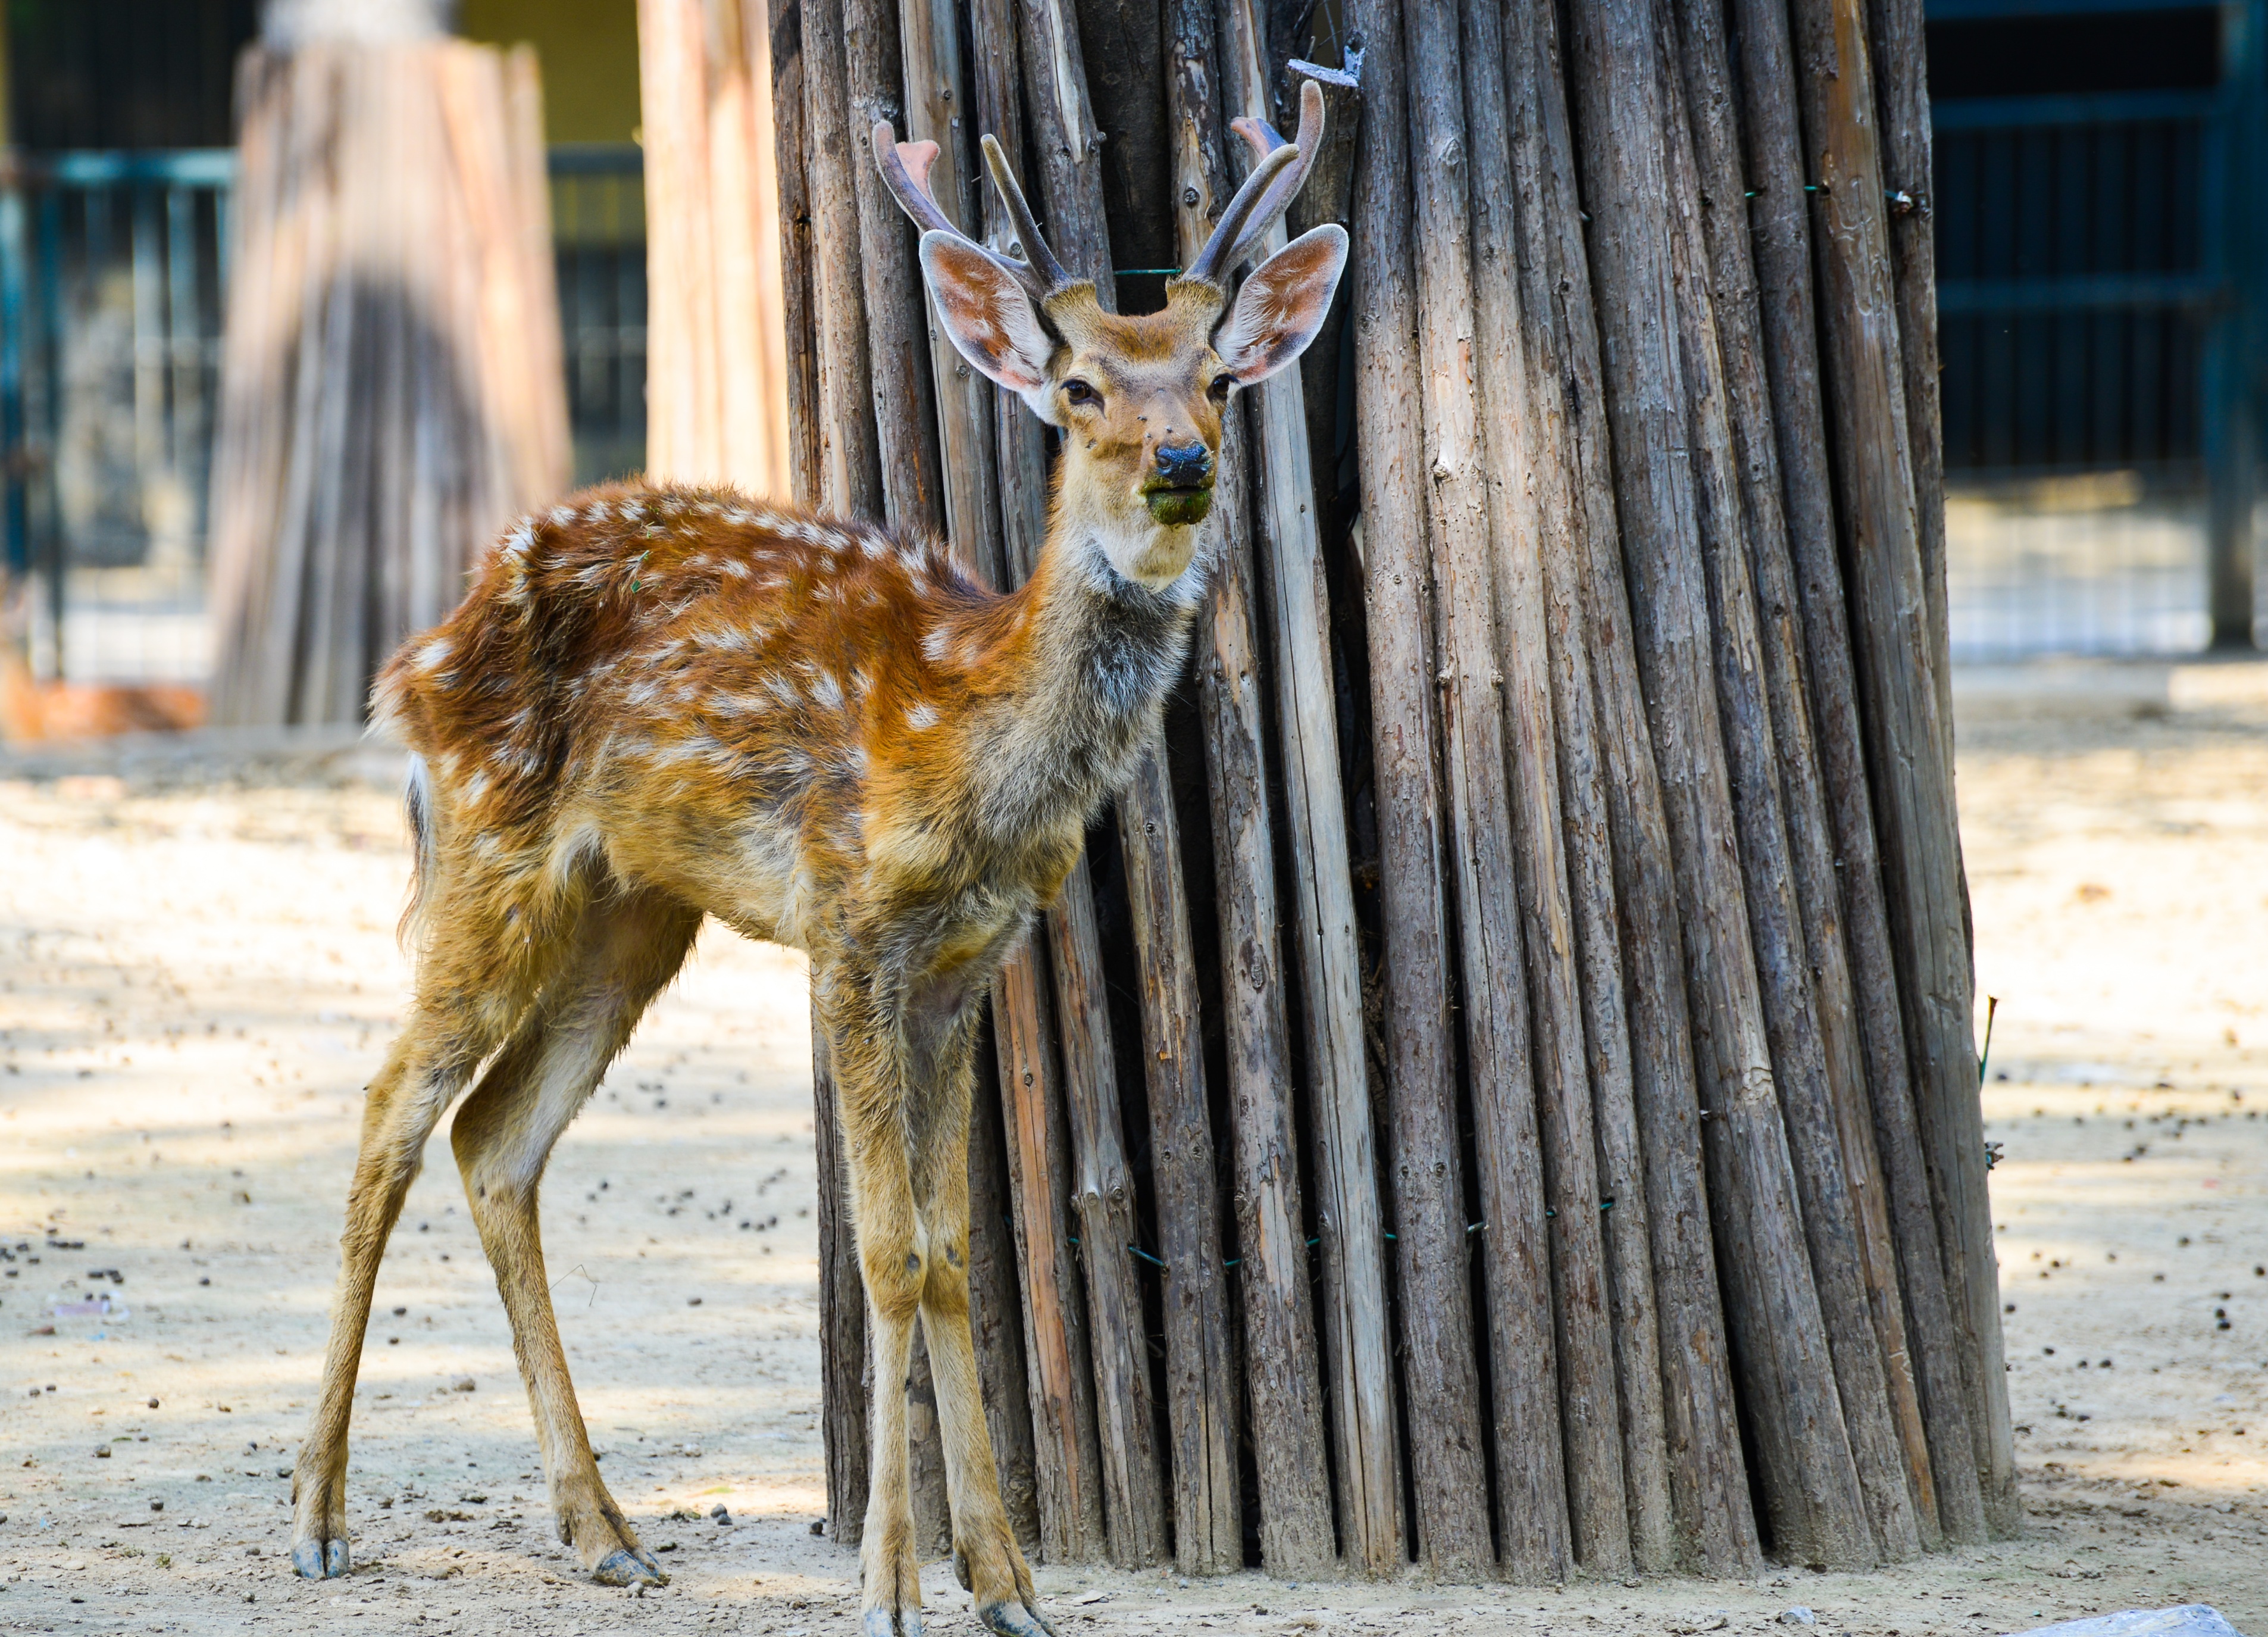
(710, 693)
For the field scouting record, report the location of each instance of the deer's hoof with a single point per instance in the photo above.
(624, 1566)
(1012, 1619)
(320, 1559)
(902, 1622)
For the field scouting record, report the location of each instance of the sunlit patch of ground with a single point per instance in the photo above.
(194, 987)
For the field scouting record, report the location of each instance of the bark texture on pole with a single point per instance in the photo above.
(1909, 740)
(1716, 1528)
(1811, 1482)
(1283, 1382)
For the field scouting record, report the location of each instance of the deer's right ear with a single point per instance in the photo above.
(987, 315)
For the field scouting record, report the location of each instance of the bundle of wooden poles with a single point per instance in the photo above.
(390, 389)
(1499, 1092)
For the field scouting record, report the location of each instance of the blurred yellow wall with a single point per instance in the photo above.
(589, 51)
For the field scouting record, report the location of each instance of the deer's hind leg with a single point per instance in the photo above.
(473, 983)
(625, 949)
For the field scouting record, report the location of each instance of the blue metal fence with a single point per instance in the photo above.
(2096, 321)
(113, 278)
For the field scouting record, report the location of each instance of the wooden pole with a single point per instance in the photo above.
(1066, 1462)
(1907, 736)
(1728, 526)
(1499, 1045)
(1709, 1482)
(799, 336)
(996, 1305)
(851, 471)
(1581, 1038)
(1811, 847)
(1322, 902)
(1398, 589)
(1203, 1398)
(1781, 234)
(936, 103)
(1899, 60)
(1123, 45)
(1020, 448)
(897, 344)
(1283, 1387)
(1811, 1482)
(1103, 1195)
(842, 1312)
(1130, 1506)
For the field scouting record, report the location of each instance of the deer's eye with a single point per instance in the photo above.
(1222, 385)
(1077, 391)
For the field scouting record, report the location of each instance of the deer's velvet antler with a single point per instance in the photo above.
(1279, 171)
(905, 167)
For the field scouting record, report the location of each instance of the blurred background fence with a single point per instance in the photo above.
(114, 194)
(2099, 168)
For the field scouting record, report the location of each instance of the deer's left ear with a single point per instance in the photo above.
(1282, 305)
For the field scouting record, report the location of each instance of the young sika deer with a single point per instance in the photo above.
(662, 703)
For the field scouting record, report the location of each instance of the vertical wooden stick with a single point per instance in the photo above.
(1202, 1396)
(1817, 1509)
(1019, 446)
(1322, 904)
(1500, 1045)
(937, 100)
(842, 1313)
(1907, 736)
(1811, 848)
(1066, 1465)
(798, 256)
(1284, 1388)
(851, 470)
(1899, 58)
(1581, 1038)
(1709, 1482)
(1781, 233)
(996, 1305)
(1728, 527)
(1103, 1196)
(1398, 584)
(903, 405)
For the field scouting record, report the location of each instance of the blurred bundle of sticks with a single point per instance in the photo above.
(1499, 1090)
(392, 392)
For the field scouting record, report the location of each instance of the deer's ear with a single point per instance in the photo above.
(985, 312)
(1282, 305)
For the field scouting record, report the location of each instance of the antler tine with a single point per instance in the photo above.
(1268, 192)
(1048, 275)
(1263, 139)
(905, 167)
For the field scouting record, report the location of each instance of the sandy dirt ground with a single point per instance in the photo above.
(195, 983)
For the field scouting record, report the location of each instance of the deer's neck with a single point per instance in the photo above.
(1085, 673)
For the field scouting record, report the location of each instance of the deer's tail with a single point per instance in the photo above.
(417, 803)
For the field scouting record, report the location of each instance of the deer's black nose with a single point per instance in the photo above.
(1185, 466)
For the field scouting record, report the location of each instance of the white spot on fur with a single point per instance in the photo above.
(935, 643)
(922, 717)
(433, 653)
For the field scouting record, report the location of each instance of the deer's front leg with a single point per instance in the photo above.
(986, 1553)
(869, 1059)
